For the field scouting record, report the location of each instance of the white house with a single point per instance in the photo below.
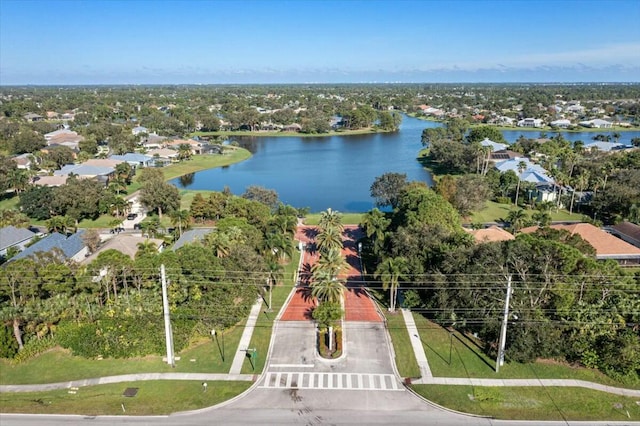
(530, 173)
(495, 146)
(530, 122)
(562, 123)
(597, 123)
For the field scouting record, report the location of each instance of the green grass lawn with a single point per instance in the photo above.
(458, 355)
(347, 218)
(204, 162)
(548, 403)
(262, 332)
(153, 398)
(58, 365)
(405, 358)
(495, 212)
(8, 202)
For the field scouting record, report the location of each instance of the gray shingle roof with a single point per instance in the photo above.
(70, 246)
(191, 236)
(10, 235)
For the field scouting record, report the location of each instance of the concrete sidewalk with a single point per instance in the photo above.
(416, 343)
(462, 381)
(428, 379)
(245, 340)
(127, 378)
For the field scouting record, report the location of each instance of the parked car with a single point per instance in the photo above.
(137, 226)
(132, 216)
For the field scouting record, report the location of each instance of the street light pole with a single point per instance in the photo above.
(167, 320)
(503, 331)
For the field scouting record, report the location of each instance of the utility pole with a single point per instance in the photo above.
(503, 331)
(167, 320)
(269, 284)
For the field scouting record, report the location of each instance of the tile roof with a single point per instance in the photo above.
(191, 236)
(125, 244)
(50, 180)
(607, 246)
(491, 234)
(10, 236)
(70, 245)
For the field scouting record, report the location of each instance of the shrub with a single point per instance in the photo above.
(34, 347)
(8, 343)
(503, 200)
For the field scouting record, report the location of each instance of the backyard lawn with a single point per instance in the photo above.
(495, 212)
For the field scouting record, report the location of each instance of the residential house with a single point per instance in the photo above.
(293, 127)
(134, 159)
(531, 173)
(85, 171)
(603, 146)
(194, 146)
(530, 122)
(64, 137)
(153, 141)
(191, 236)
(495, 146)
(163, 155)
(124, 243)
(606, 245)
(33, 117)
(489, 235)
(50, 180)
(561, 124)
(72, 247)
(10, 236)
(597, 123)
(139, 129)
(23, 161)
(627, 231)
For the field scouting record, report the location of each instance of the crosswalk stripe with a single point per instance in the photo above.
(342, 381)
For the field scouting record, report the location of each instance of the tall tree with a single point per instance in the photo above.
(389, 272)
(387, 187)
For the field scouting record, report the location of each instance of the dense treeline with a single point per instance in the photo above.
(565, 304)
(604, 186)
(112, 306)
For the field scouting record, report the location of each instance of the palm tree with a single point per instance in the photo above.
(375, 225)
(59, 223)
(516, 219)
(284, 223)
(330, 262)
(219, 242)
(184, 151)
(328, 238)
(180, 218)
(326, 288)
(389, 272)
(522, 166)
(331, 219)
(278, 246)
(146, 248)
(120, 206)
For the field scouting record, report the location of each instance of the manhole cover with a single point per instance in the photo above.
(130, 392)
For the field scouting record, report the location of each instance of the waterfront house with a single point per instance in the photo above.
(495, 146)
(532, 172)
(134, 159)
(124, 243)
(597, 123)
(530, 122)
(561, 124)
(603, 146)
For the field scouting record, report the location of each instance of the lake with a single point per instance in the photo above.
(334, 171)
(323, 172)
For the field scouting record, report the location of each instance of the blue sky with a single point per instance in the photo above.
(270, 41)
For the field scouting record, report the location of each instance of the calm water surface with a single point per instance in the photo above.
(319, 173)
(335, 171)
